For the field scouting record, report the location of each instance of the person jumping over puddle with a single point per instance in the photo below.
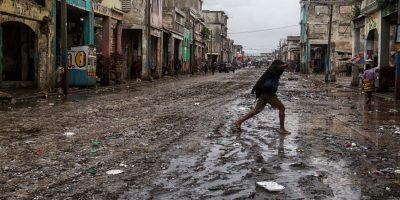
(265, 90)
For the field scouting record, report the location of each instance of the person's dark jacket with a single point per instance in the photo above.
(274, 71)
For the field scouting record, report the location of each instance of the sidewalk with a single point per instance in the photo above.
(24, 94)
(345, 81)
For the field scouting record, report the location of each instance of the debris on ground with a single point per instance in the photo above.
(271, 186)
(114, 172)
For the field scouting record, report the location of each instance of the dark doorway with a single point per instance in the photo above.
(18, 52)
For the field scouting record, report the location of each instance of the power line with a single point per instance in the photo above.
(262, 30)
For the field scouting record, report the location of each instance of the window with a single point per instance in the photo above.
(156, 6)
(321, 10)
(319, 29)
(126, 5)
(345, 9)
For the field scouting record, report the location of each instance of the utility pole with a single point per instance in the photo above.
(192, 49)
(212, 63)
(328, 69)
(222, 49)
(149, 64)
(64, 53)
(397, 85)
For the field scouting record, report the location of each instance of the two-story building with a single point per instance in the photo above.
(174, 20)
(217, 21)
(374, 38)
(315, 19)
(142, 38)
(293, 57)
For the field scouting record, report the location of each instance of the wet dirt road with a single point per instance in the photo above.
(173, 140)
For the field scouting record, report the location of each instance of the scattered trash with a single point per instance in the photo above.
(51, 104)
(397, 171)
(93, 152)
(387, 188)
(114, 172)
(92, 171)
(216, 188)
(69, 134)
(97, 142)
(300, 150)
(271, 186)
(236, 145)
(197, 104)
(123, 165)
(299, 165)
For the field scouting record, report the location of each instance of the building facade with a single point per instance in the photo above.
(26, 48)
(217, 22)
(374, 38)
(315, 18)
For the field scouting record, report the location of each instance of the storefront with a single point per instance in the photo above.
(25, 44)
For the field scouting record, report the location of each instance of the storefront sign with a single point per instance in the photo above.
(100, 9)
(83, 4)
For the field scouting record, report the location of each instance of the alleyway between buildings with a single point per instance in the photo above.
(173, 139)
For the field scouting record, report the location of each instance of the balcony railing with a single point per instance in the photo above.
(178, 27)
(369, 6)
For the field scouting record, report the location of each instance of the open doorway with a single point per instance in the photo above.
(18, 52)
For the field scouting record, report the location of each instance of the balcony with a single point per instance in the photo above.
(370, 6)
(179, 28)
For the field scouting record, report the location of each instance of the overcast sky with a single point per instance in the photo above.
(248, 15)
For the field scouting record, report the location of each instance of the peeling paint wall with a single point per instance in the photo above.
(318, 25)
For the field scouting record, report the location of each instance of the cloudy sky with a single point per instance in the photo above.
(249, 15)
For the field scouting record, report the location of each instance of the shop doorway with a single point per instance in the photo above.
(18, 48)
(372, 47)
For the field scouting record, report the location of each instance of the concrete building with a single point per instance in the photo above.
(375, 38)
(184, 18)
(194, 48)
(293, 52)
(174, 26)
(26, 47)
(315, 16)
(217, 22)
(142, 37)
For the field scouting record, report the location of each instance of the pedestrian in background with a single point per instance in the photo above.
(265, 90)
(368, 82)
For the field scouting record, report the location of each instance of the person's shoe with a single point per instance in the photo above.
(284, 132)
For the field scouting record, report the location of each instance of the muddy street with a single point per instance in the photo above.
(173, 139)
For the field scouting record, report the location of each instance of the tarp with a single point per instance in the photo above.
(357, 60)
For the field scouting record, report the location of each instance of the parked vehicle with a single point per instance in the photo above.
(226, 67)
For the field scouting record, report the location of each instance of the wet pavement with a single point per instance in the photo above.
(173, 139)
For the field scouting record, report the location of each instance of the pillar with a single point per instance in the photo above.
(384, 42)
(119, 37)
(107, 34)
(88, 30)
(356, 48)
(54, 39)
(145, 64)
(1, 53)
